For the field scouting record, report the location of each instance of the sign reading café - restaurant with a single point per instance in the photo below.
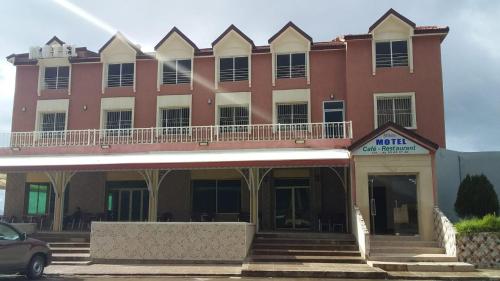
(390, 142)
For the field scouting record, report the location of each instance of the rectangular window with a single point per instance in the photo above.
(175, 120)
(295, 113)
(397, 109)
(56, 77)
(391, 53)
(38, 198)
(233, 69)
(216, 196)
(291, 65)
(121, 75)
(177, 72)
(233, 118)
(53, 121)
(119, 120)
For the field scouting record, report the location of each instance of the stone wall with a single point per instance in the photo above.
(444, 232)
(170, 241)
(480, 249)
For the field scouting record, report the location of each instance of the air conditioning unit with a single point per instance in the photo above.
(35, 52)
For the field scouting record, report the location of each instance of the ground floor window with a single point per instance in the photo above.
(127, 201)
(216, 196)
(38, 198)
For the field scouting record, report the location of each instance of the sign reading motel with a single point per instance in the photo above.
(390, 142)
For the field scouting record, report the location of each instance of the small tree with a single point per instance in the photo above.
(476, 197)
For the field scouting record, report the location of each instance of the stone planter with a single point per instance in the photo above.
(481, 249)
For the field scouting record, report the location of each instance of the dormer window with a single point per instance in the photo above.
(233, 69)
(177, 71)
(120, 75)
(391, 53)
(56, 77)
(291, 65)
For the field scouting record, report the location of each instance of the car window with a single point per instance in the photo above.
(7, 233)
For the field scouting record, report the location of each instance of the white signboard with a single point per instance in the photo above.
(390, 143)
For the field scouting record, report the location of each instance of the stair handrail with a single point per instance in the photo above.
(361, 233)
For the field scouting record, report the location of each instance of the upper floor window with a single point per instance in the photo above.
(177, 72)
(53, 121)
(295, 113)
(233, 118)
(56, 77)
(391, 53)
(119, 120)
(399, 109)
(291, 65)
(120, 75)
(233, 69)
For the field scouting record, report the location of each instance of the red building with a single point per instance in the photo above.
(295, 134)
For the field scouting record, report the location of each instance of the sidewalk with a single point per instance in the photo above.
(166, 270)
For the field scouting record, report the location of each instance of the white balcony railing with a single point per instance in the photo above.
(195, 134)
(55, 83)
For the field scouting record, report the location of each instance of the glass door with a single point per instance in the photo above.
(292, 208)
(128, 204)
(333, 116)
(393, 204)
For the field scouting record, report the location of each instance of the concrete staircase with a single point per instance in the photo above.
(307, 255)
(409, 253)
(68, 248)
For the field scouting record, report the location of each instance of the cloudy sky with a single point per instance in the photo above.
(471, 60)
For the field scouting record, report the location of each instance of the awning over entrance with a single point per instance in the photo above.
(179, 160)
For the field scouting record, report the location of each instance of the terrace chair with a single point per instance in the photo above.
(324, 223)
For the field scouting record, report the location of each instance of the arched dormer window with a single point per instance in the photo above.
(175, 55)
(233, 56)
(290, 49)
(118, 57)
(392, 41)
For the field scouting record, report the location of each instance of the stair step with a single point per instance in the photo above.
(404, 250)
(305, 247)
(293, 252)
(70, 257)
(71, 262)
(305, 235)
(405, 257)
(303, 241)
(70, 250)
(398, 243)
(320, 259)
(395, 238)
(312, 270)
(423, 266)
(69, 244)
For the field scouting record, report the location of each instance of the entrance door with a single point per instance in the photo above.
(393, 204)
(128, 204)
(292, 208)
(333, 116)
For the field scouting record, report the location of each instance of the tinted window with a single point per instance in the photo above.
(7, 233)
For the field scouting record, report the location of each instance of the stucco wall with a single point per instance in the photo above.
(14, 195)
(86, 190)
(419, 165)
(170, 241)
(453, 166)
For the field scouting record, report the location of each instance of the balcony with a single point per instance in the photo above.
(187, 138)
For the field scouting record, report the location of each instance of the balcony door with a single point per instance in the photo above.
(333, 116)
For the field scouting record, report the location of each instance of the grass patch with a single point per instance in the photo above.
(489, 223)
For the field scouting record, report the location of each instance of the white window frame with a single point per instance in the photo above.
(396, 95)
(41, 115)
(306, 66)
(176, 60)
(233, 107)
(161, 109)
(120, 78)
(391, 53)
(118, 110)
(233, 58)
(334, 110)
(57, 82)
(292, 104)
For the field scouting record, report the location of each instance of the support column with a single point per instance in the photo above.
(153, 180)
(254, 180)
(59, 180)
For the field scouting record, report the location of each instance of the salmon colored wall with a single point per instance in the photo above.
(426, 82)
(347, 75)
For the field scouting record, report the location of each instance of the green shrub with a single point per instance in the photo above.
(489, 223)
(476, 197)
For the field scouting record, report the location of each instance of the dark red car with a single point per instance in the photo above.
(20, 254)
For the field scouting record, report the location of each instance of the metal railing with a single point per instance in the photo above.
(390, 60)
(123, 80)
(195, 134)
(233, 74)
(294, 71)
(55, 83)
